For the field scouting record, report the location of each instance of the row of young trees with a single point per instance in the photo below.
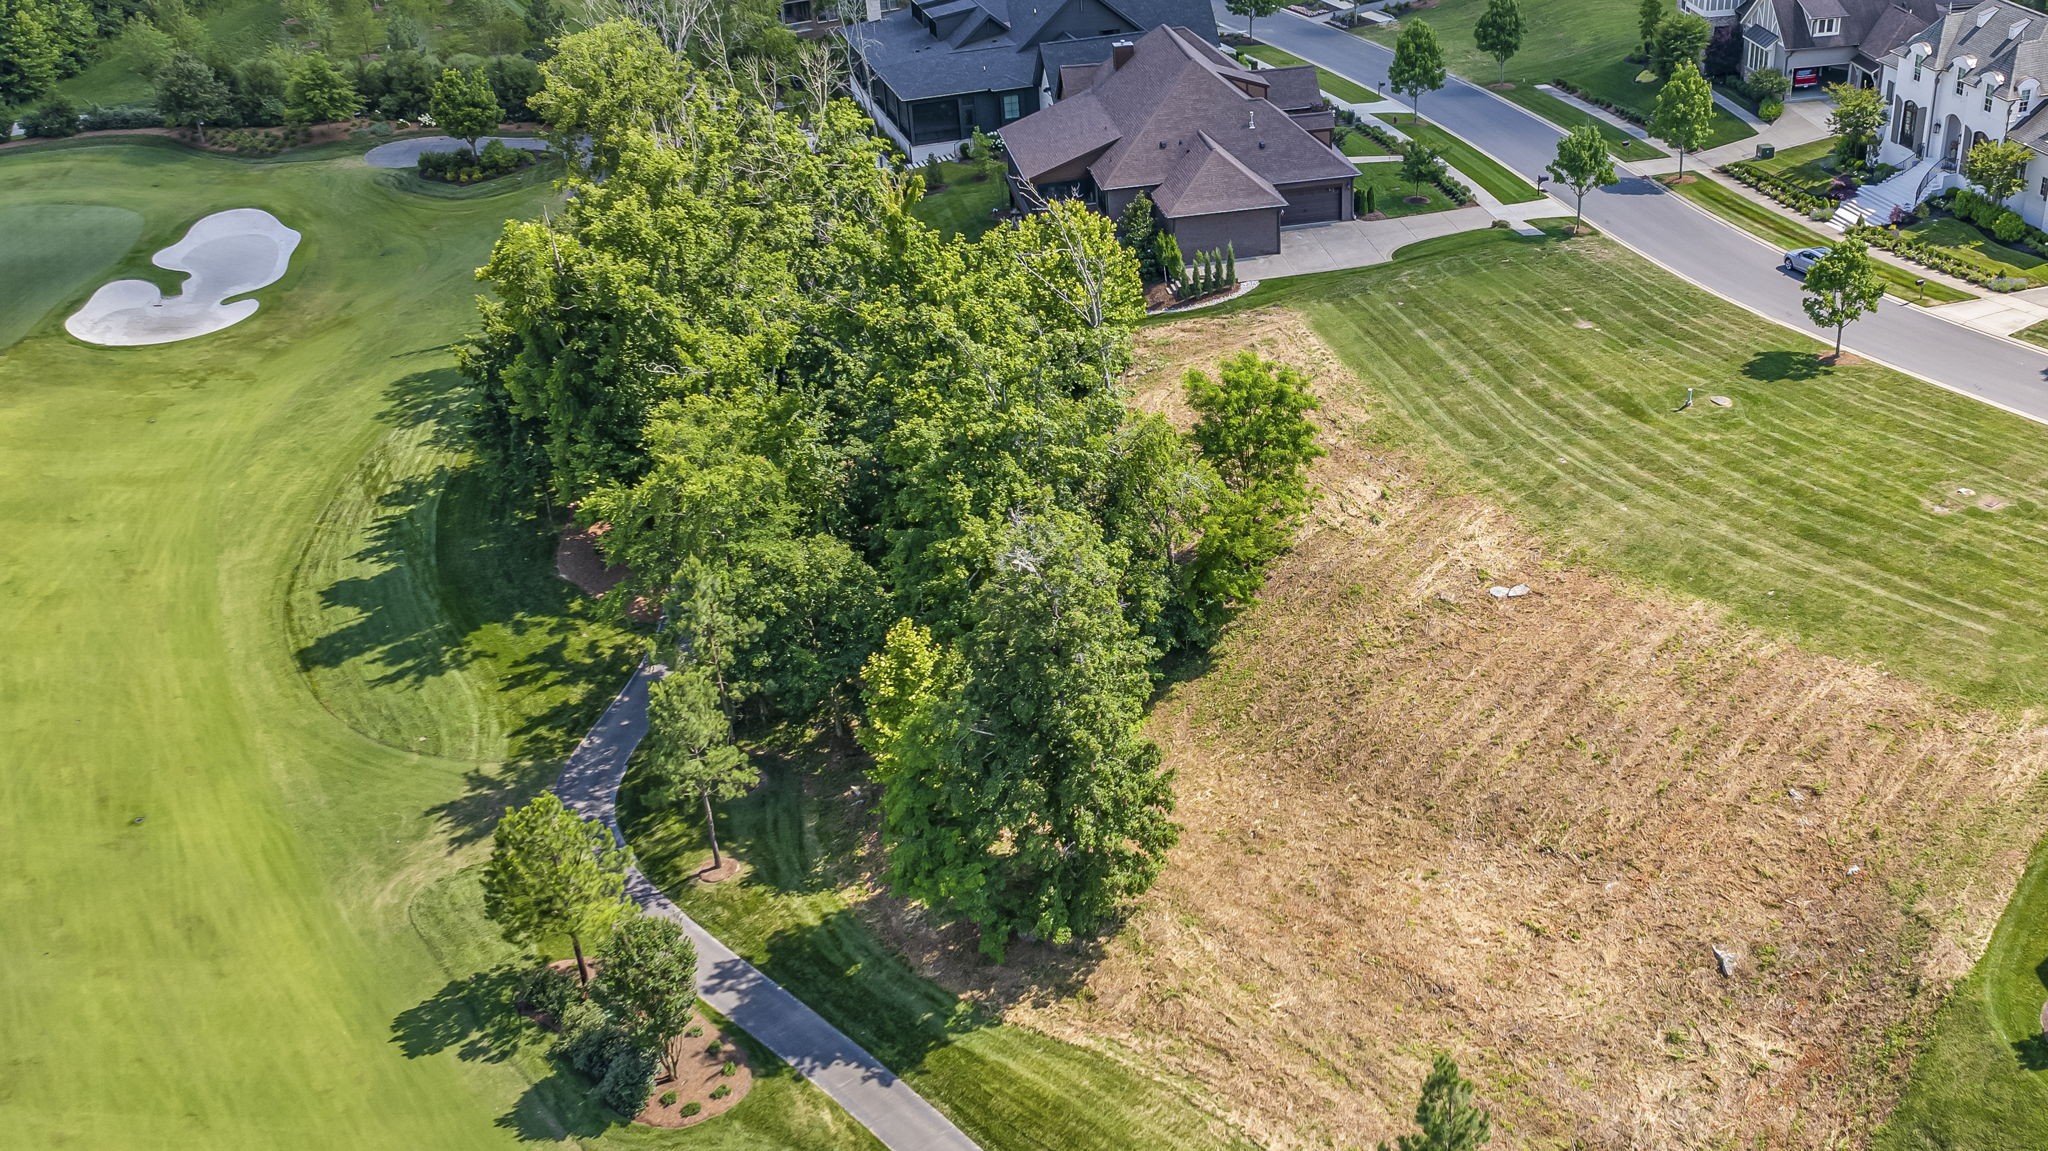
(872, 472)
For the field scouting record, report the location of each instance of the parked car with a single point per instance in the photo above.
(1799, 260)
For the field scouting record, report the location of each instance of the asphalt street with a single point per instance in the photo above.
(1686, 240)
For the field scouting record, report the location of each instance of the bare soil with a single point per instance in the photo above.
(700, 1071)
(1419, 818)
(577, 561)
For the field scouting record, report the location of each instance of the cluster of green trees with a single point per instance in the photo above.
(875, 475)
(44, 41)
(556, 876)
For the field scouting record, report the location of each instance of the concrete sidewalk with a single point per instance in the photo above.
(799, 1036)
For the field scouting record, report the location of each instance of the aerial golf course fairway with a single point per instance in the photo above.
(273, 668)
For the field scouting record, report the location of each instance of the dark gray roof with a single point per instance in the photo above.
(1865, 23)
(1996, 41)
(1759, 35)
(996, 45)
(1179, 118)
(1293, 88)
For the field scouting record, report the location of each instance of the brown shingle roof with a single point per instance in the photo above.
(1182, 119)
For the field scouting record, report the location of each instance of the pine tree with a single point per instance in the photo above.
(1230, 263)
(1446, 1115)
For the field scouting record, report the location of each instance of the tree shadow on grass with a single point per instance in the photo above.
(474, 1016)
(1783, 366)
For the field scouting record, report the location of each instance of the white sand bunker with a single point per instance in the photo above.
(227, 254)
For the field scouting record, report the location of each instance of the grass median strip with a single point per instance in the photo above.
(1474, 165)
(1774, 228)
(1327, 80)
(1566, 116)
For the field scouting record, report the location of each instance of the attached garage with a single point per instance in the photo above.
(1316, 204)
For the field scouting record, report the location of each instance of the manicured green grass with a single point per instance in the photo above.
(1011, 1089)
(1583, 41)
(1967, 242)
(1567, 116)
(1471, 163)
(274, 666)
(1806, 507)
(1808, 166)
(1982, 1078)
(1331, 83)
(1355, 143)
(1762, 222)
(53, 251)
(1391, 191)
(2034, 334)
(962, 207)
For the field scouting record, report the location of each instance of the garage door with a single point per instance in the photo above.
(1314, 206)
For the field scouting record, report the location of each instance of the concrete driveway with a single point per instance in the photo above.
(1356, 243)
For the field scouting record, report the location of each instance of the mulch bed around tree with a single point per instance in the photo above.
(699, 1072)
(577, 561)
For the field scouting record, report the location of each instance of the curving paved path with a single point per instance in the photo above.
(869, 1092)
(1687, 241)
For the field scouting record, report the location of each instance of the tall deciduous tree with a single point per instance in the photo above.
(693, 756)
(1017, 788)
(1858, 117)
(1446, 1117)
(1685, 112)
(1649, 14)
(647, 980)
(1841, 287)
(1582, 164)
(1681, 38)
(1499, 32)
(1418, 65)
(319, 93)
(464, 106)
(1251, 9)
(188, 94)
(1999, 167)
(554, 873)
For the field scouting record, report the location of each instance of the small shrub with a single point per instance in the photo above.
(730, 1069)
(628, 1079)
(721, 1091)
(2008, 227)
(714, 1047)
(550, 991)
(54, 118)
(691, 1108)
(693, 1032)
(1770, 110)
(587, 1038)
(99, 119)
(2008, 284)
(668, 1099)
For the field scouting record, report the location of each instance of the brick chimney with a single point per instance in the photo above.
(1121, 51)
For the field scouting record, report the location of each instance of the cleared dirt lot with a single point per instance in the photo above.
(1418, 817)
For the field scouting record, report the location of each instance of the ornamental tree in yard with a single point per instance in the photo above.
(1841, 287)
(1448, 1119)
(1999, 167)
(464, 106)
(1420, 162)
(1582, 164)
(693, 754)
(1685, 112)
(1858, 117)
(1499, 32)
(1681, 38)
(319, 93)
(553, 873)
(647, 979)
(1649, 14)
(1250, 9)
(1418, 65)
(188, 94)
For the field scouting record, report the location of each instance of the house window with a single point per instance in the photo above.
(2044, 187)
(1987, 101)
(1916, 69)
(1010, 107)
(1959, 84)
(1888, 85)
(1832, 26)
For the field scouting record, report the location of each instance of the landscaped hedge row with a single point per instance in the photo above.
(1776, 187)
(461, 168)
(1629, 114)
(1931, 256)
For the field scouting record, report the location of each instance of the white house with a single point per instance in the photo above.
(1974, 75)
(1820, 42)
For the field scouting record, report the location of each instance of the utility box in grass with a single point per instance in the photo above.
(1766, 151)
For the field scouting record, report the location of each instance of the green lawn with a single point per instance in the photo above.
(1774, 228)
(1355, 143)
(1966, 242)
(238, 28)
(1569, 116)
(52, 251)
(1583, 41)
(273, 668)
(2034, 334)
(1474, 165)
(1982, 1080)
(1328, 81)
(1010, 1089)
(1391, 191)
(1804, 507)
(962, 207)
(1809, 166)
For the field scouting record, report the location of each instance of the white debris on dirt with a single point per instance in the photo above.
(1726, 959)
(227, 254)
